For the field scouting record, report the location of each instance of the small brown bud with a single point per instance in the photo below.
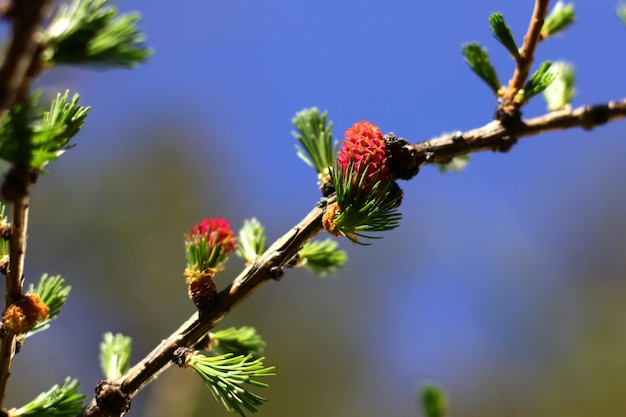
(403, 162)
(22, 315)
(202, 290)
(111, 399)
(15, 186)
(181, 356)
(328, 220)
(5, 230)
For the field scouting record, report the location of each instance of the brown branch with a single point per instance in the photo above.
(14, 285)
(26, 16)
(14, 87)
(496, 137)
(493, 136)
(525, 60)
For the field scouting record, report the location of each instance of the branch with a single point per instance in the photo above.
(26, 16)
(14, 285)
(496, 137)
(269, 266)
(526, 56)
(14, 88)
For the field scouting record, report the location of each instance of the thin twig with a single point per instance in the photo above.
(525, 60)
(492, 136)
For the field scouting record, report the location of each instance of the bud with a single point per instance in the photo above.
(208, 246)
(22, 315)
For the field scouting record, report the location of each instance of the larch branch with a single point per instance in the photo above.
(26, 16)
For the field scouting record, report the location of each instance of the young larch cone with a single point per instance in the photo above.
(208, 246)
(364, 148)
(362, 182)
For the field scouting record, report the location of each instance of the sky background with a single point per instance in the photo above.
(493, 286)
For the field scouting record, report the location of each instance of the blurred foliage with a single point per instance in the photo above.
(90, 32)
(115, 355)
(434, 400)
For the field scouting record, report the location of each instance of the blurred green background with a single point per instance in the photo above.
(504, 284)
